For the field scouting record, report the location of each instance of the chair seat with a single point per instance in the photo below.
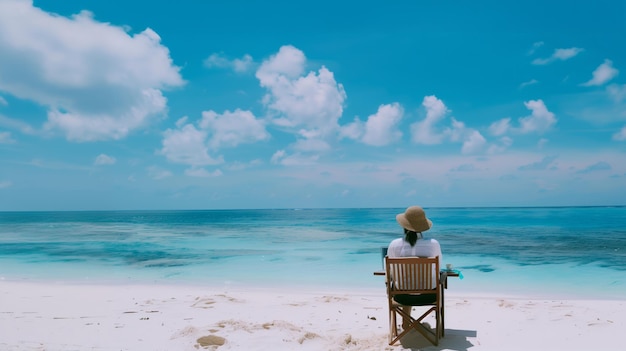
(416, 300)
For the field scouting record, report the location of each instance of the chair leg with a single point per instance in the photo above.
(415, 324)
(443, 319)
(393, 326)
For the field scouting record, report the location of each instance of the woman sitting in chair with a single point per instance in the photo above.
(414, 222)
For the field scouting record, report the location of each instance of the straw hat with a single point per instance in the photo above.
(414, 219)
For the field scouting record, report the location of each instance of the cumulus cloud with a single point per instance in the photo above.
(501, 145)
(471, 139)
(429, 132)
(500, 127)
(353, 130)
(313, 102)
(540, 120)
(193, 144)
(425, 131)
(187, 145)
(380, 128)
(239, 65)
(311, 145)
(604, 73)
(558, 55)
(103, 160)
(6, 138)
(97, 81)
(232, 128)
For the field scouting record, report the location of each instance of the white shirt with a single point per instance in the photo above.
(422, 248)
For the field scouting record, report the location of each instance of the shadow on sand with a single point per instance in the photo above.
(455, 339)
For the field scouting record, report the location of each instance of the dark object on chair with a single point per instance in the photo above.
(414, 281)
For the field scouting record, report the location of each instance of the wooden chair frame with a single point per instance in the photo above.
(419, 278)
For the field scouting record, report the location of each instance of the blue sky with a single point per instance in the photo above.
(247, 104)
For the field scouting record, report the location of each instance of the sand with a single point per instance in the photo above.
(69, 316)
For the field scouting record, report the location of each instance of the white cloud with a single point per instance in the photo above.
(217, 60)
(621, 135)
(503, 144)
(3, 101)
(424, 132)
(617, 92)
(97, 81)
(311, 145)
(287, 63)
(239, 65)
(232, 128)
(548, 162)
(6, 138)
(187, 145)
(381, 128)
(500, 127)
(202, 173)
(281, 157)
(313, 102)
(243, 64)
(103, 159)
(540, 119)
(353, 130)
(604, 73)
(5, 184)
(191, 145)
(472, 140)
(536, 45)
(527, 83)
(277, 156)
(558, 55)
(427, 131)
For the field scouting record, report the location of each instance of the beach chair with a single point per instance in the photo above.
(414, 281)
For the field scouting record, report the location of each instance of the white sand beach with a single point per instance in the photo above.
(63, 316)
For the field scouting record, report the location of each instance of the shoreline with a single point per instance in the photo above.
(468, 287)
(37, 315)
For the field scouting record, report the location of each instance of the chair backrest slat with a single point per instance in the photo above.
(412, 274)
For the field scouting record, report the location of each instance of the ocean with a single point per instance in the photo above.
(573, 252)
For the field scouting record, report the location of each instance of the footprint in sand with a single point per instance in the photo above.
(208, 341)
(204, 303)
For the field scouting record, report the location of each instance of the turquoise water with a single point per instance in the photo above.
(572, 251)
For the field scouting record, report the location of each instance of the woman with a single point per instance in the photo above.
(414, 222)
